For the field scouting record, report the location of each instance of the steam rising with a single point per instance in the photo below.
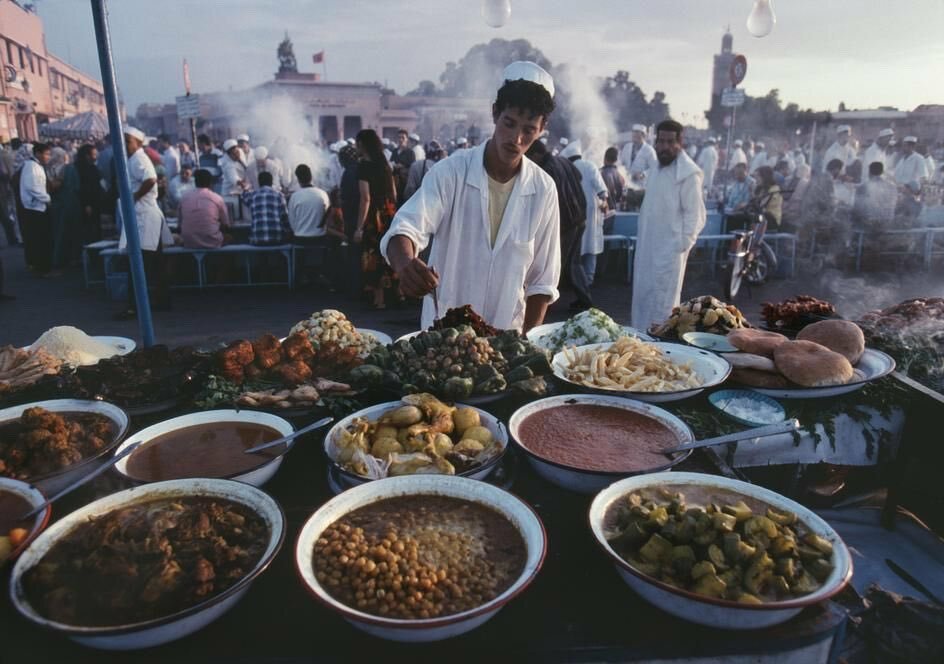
(590, 121)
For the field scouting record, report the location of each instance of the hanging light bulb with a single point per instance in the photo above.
(761, 21)
(496, 12)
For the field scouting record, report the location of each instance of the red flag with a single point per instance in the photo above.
(318, 57)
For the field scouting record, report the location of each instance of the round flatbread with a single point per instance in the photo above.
(751, 361)
(812, 365)
(757, 342)
(841, 336)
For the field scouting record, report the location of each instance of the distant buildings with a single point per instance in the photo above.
(335, 110)
(35, 85)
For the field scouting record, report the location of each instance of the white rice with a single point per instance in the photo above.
(73, 346)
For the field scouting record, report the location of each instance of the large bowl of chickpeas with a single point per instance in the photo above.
(420, 557)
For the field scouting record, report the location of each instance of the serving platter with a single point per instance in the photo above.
(122, 345)
(538, 335)
(383, 339)
(711, 368)
(874, 364)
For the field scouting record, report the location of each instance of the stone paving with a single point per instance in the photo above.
(208, 317)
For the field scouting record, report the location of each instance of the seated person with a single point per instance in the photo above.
(307, 208)
(875, 199)
(737, 197)
(202, 215)
(179, 185)
(768, 194)
(268, 212)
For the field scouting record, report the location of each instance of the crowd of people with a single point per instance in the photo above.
(372, 204)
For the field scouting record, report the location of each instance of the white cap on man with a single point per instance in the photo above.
(260, 152)
(415, 138)
(229, 144)
(134, 132)
(350, 141)
(886, 132)
(711, 140)
(462, 140)
(641, 128)
(759, 145)
(242, 138)
(738, 143)
(910, 139)
(522, 70)
(564, 141)
(573, 149)
(843, 129)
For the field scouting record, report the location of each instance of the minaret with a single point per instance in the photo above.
(720, 78)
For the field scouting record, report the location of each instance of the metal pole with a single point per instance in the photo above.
(128, 217)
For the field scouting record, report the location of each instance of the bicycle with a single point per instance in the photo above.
(749, 256)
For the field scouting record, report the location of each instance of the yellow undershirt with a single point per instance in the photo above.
(498, 195)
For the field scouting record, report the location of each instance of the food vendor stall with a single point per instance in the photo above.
(393, 419)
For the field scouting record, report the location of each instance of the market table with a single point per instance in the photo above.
(577, 609)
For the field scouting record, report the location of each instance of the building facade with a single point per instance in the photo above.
(36, 86)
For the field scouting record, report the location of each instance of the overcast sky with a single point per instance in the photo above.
(820, 53)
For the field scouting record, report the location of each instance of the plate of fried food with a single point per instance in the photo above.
(827, 359)
(23, 367)
(647, 371)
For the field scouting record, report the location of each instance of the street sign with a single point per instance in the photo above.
(738, 70)
(188, 107)
(732, 97)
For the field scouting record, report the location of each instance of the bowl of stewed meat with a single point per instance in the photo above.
(52, 443)
(150, 564)
(420, 557)
(585, 442)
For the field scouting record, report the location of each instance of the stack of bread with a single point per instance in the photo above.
(824, 354)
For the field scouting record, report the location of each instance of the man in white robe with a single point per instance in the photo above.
(911, 167)
(492, 216)
(842, 149)
(759, 159)
(737, 156)
(876, 153)
(708, 161)
(638, 158)
(595, 191)
(672, 216)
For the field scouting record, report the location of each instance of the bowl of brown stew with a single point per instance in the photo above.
(716, 551)
(584, 443)
(420, 557)
(150, 564)
(16, 499)
(207, 444)
(51, 444)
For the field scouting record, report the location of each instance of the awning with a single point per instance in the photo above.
(88, 125)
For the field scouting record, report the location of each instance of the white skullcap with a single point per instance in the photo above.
(564, 141)
(462, 140)
(414, 137)
(228, 144)
(640, 127)
(738, 143)
(242, 137)
(842, 128)
(886, 132)
(572, 149)
(543, 139)
(350, 141)
(712, 139)
(759, 144)
(910, 139)
(260, 152)
(523, 70)
(134, 132)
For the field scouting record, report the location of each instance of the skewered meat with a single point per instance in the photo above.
(797, 312)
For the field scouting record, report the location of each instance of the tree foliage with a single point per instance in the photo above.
(764, 116)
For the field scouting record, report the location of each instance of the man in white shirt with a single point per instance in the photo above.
(708, 161)
(911, 167)
(170, 157)
(262, 163)
(737, 155)
(245, 149)
(35, 222)
(841, 149)
(876, 153)
(307, 207)
(152, 231)
(759, 159)
(180, 185)
(638, 157)
(492, 217)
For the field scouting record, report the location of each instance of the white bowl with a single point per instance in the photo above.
(538, 335)
(874, 364)
(712, 369)
(52, 483)
(349, 479)
(122, 345)
(591, 481)
(519, 513)
(161, 630)
(256, 477)
(708, 611)
(35, 498)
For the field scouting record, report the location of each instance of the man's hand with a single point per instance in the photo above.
(416, 279)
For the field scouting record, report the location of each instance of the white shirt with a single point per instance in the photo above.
(874, 153)
(760, 159)
(177, 189)
(419, 153)
(306, 211)
(171, 160)
(844, 153)
(593, 185)
(912, 168)
(150, 219)
(708, 163)
(737, 157)
(233, 172)
(639, 164)
(33, 192)
(270, 166)
(672, 216)
(452, 206)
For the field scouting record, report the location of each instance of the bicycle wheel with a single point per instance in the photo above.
(733, 276)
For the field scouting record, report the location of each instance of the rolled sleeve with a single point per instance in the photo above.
(544, 274)
(421, 215)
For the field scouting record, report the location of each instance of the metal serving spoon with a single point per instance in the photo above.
(82, 480)
(759, 432)
(284, 439)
